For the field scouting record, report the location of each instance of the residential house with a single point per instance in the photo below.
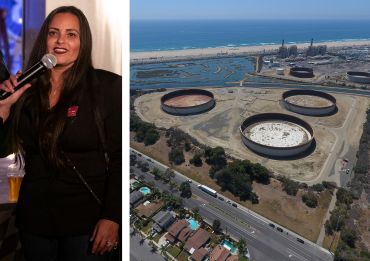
(135, 197)
(175, 229)
(199, 254)
(219, 253)
(197, 240)
(163, 219)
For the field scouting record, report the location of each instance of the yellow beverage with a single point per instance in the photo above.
(14, 183)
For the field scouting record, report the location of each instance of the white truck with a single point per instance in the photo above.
(208, 190)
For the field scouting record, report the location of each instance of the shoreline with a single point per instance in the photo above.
(173, 55)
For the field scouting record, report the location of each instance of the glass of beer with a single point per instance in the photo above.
(14, 184)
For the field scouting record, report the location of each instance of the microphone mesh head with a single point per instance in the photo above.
(49, 60)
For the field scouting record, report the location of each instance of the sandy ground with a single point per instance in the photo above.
(220, 127)
(307, 100)
(205, 52)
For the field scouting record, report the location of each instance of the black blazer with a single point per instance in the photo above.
(54, 202)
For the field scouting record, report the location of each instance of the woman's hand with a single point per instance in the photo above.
(105, 236)
(8, 86)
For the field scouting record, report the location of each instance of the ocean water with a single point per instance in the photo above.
(178, 35)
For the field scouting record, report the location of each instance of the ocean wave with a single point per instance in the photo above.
(267, 43)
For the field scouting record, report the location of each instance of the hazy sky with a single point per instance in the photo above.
(250, 9)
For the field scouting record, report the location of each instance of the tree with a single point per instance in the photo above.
(261, 174)
(241, 245)
(145, 167)
(328, 228)
(310, 199)
(154, 248)
(344, 196)
(151, 137)
(216, 157)
(216, 226)
(157, 173)
(349, 237)
(290, 187)
(318, 187)
(172, 185)
(187, 146)
(196, 160)
(185, 190)
(176, 156)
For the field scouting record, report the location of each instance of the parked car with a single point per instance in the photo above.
(228, 202)
(279, 229)
(234, 205)
(272, 225)
(221, 198)
(300, 240)
(189, 181)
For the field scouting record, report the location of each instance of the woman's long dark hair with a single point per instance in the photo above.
(51, 122)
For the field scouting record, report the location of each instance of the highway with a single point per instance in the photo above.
(264, 242)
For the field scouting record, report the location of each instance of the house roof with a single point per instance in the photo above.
(219, 253)
(184, 234)
(163, 218)
(135, 197)
(170, 238)
(199, 254)
(176, 228)
(232, 258)
(197, 240)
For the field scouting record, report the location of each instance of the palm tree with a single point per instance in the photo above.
(162, 249)
(241, 245)
(172, 185)
(154, 247)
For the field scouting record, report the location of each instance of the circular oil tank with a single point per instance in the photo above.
(187, 102)
(301, 72)
(358, 77)
(277, 135)
(309, 102)
(280, 71)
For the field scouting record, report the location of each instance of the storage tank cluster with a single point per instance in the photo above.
(358, 77)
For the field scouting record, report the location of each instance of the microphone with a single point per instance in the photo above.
(48, 61)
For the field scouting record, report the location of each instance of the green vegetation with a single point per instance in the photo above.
(318, 187)
(216, 226)
(349, 237)
(176, 156)
(310, 199)
(185, 190)
(174, 251)
(238, 176)
(215, 157)
(344, 196)
(145, 132)
(289, 186)
(196, 160)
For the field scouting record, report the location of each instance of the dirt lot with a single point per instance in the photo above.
(220, 127)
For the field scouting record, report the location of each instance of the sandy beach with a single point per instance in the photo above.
(155, 56)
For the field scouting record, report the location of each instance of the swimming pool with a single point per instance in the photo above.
(227, 244)
(193, 224)
(145, 190)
